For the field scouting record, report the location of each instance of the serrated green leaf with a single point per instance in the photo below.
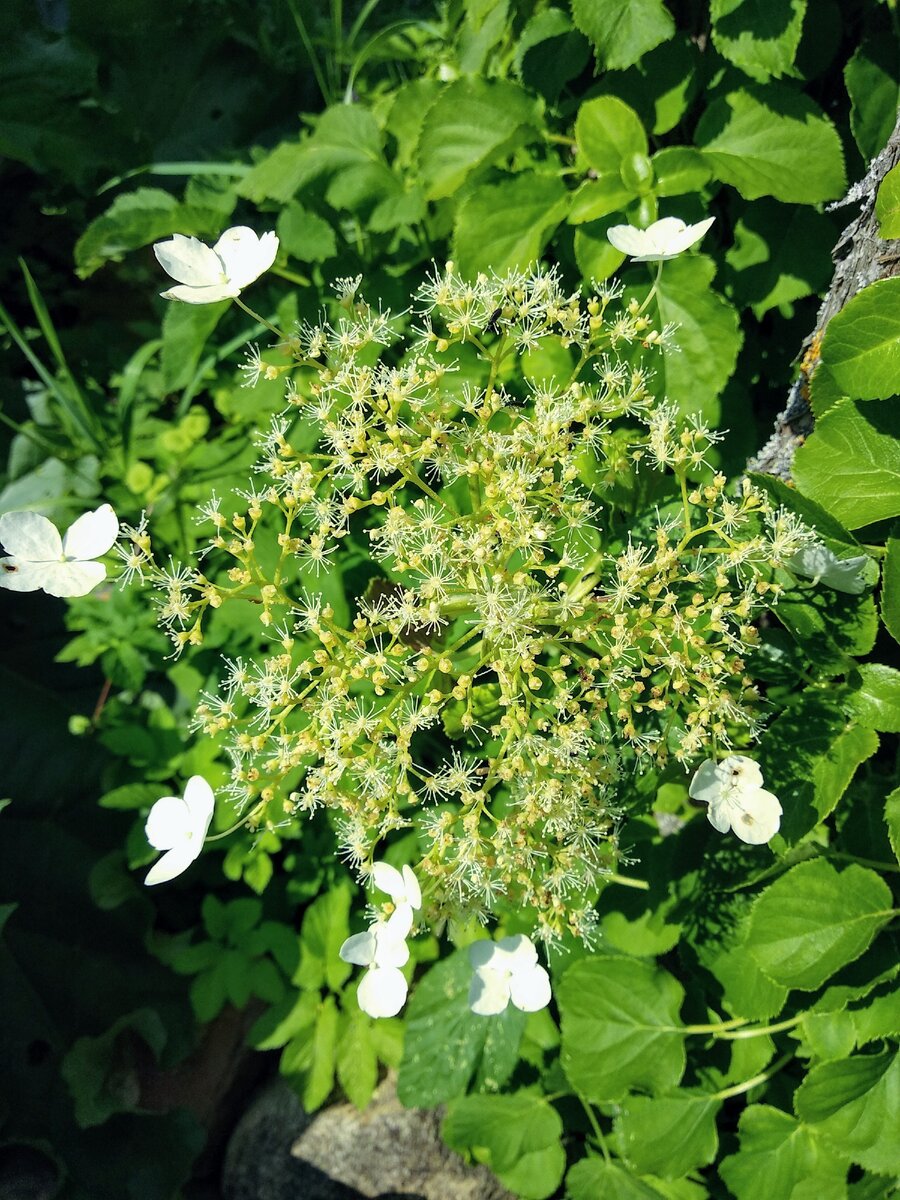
(550, 52)
(594, 1177)
(320, 1073)
(668, 1135)
(597, 258)
(879, 1019)
(707, 335)
(209, 991)
(855, 1105)
(445, 1040)
(133, 220)
(850, 463)
(620, 1027)
(284, 1021)
(130, 796)
(892, 819)
(872, 76)
(781, 1159)
(505, 225)
(814, 920)
(861, 347)
(679, 169)
(623, 30)
(186, 328)
(305, 235)
(346, 137)
(472, 123)
(607, 132)
(887, 205)
(828, 1035)
(890, 588)
(521, 1134)
(875, 700)
(779, 256)
(773, 142)
(326, 925)
(748, 992)
(759, 36)
(357, 1062)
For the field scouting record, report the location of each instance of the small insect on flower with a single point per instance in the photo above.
(736, 798)
(206, 274)
(179, 826)
(382, 990)
(507, 970)
(660, 241)
(39, 559)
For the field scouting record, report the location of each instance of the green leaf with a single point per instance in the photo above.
(813, 514)
(133, 220)
(679, 169)
(521, 1134)
(890, 588)
(623, 30)
(747, 992)
(892, 819)
(131, 796)
(607, 133)
(550, 52)
(759, 36)
(876, 701)
(99, 1071)
(872, 77)
(346, 138)
(471, 124)
(708, 336)
(778, 256)
(326, 925)
(320, 1073)
(305, 235)
(620, 1027)
(773, 142)
(887, 205)
(186, 328)
(505, 225)
(850, 463)
(592, 1178)
(668, 1135)
(357, 1062)
(861, 347)
(445, 1040)
(781, 1159)
(855, 1105)
(814, 920)
(808, 757)
(284, 1021)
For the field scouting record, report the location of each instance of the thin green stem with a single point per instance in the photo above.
(595, 1125)
(740, 1088)
(262, 320)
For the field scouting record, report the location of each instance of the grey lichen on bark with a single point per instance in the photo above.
(861, 257)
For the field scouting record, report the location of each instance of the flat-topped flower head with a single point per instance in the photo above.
(178, 826)
(736, 798)
(405, 893)
(507, 970)
(662, 240)
(822, 566)
(206, 274)
(38, 558)
(382, 990)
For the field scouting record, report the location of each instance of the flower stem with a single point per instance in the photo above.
(262, 320)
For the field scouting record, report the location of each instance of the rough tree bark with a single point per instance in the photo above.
(861, 257)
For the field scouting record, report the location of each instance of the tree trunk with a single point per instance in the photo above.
(861, 257)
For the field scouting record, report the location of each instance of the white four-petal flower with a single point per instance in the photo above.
(206, 274)
(662, 240)
(822, 566)
(382, 990)
(178, 826)
(37, 557)
(736, 799)
(507, 970)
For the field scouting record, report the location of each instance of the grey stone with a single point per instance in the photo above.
(387, 1152)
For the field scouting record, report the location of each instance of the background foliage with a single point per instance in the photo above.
(739, 1021)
